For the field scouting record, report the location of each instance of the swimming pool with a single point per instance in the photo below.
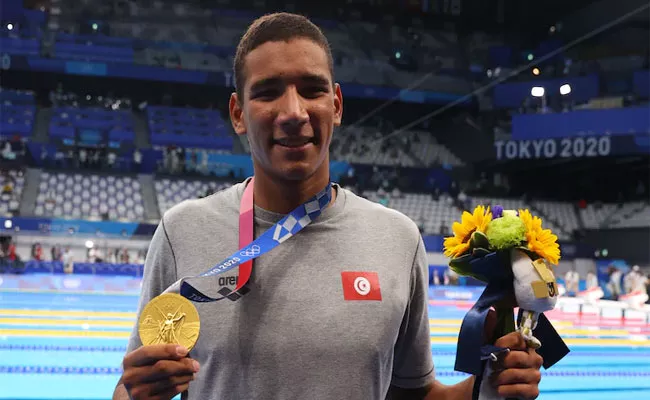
(70, 346)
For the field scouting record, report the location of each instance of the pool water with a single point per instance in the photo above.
(70, 346)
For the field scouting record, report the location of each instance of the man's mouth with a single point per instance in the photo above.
(294, 141)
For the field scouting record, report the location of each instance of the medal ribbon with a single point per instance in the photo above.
(250, 249)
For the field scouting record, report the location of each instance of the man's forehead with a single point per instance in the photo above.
(295, 59)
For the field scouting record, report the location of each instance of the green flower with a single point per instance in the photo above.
(506, 232)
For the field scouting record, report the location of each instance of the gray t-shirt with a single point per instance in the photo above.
(295, 335)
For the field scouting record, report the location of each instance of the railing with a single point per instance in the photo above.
(57, 267)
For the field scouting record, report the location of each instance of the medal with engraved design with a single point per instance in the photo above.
(169, 319)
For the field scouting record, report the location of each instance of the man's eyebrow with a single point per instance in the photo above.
(265, 82)
(272, 81)
(317, 79)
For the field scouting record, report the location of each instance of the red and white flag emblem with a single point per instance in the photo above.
(360, 286)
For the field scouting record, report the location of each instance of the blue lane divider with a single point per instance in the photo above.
(122, 349)
(566, 373)
(614, 354)
(22, 369)
(573, 391)
(26, 347)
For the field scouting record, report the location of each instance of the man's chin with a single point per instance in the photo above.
(297, 174)
(296, 171)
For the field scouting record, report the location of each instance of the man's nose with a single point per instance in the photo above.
(292, 110)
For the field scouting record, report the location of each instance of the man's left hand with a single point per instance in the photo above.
(516, 373)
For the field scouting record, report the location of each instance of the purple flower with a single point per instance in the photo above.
(497, 212)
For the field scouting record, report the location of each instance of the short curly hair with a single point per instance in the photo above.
(276, 27)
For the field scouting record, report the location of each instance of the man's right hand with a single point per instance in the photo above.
(158, 372)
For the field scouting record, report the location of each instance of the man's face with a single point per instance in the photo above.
(289, 108)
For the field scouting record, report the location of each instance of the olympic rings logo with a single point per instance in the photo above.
(252, 251)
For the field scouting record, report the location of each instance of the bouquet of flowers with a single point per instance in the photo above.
(511, 252)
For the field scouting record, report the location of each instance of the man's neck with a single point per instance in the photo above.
(284, 196)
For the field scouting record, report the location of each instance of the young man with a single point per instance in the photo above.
(301, 332)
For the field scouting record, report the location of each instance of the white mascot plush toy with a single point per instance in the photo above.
(535, 290)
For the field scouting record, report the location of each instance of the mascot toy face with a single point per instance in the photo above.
(534, 284)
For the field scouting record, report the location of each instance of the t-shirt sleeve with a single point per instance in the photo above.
(159, 274)
(413, 362)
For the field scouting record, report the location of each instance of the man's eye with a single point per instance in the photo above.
(269, 93)
(314, 91)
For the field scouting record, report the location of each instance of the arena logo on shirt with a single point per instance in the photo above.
(228, 284)
(228, 281)
(360, 285)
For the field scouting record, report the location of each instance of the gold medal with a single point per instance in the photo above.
(169, 319)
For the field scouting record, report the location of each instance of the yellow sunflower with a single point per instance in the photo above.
(458, 244)
(540, 241)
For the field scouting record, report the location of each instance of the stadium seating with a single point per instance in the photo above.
(594, 216)
(11, 190)
(89, 196)
(85, 48)
(17, 111)
(434, 215)
(559, 213)
(171, 126)
(177, 36)
(171, 192)
(409, 149)
(67, 122)
(19, 46)
(631, 215)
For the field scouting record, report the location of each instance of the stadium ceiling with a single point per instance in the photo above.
(535, 15)
(553, 10)
(539, 14)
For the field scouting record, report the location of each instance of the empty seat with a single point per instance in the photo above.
(89, 196)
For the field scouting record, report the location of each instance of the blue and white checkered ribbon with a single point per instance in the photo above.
(286, 228)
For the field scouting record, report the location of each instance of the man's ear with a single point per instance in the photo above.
(338, 105)
(237, 115)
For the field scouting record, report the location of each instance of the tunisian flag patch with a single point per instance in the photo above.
(360, 285)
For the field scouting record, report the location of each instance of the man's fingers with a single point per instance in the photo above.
(158, 371)
(161, 370)
(147, 355)
(174, 382)
(513, 341)
(537, 360)
(171, 393)
(517, 359)
(165, 368)
(145, 392)
(520, 391)
(516, 376)
(517, 372)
